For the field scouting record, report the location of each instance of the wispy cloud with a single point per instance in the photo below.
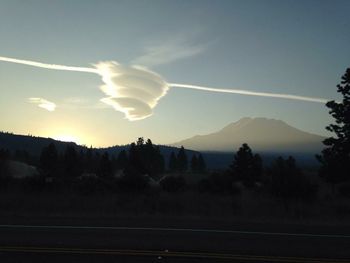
(43, 103)
(76, 101)
(168, 50)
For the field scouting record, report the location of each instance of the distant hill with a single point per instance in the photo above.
(31, 144)
(262, 135)
(265, 136)
(34, 145)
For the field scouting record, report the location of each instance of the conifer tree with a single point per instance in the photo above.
(201, 164)
(105, 166)
(71, 162)
(122, 160)
(49, 159)
(335, 158)
(194, 164)
(172, 162)
(182, 161)
(246, 166)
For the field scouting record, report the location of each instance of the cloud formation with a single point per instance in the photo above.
(133, 90)
(43, 103)
(136, 90)
(169, 51)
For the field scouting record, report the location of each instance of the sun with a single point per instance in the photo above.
(67, 133)
(66, 138)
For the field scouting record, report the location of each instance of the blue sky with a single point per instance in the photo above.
(294, 47)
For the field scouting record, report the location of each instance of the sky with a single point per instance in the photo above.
(287, 47)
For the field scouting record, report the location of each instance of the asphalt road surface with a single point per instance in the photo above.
(126, 241)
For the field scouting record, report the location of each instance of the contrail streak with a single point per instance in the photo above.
(49, 66)
(249, 93)
(174, 85)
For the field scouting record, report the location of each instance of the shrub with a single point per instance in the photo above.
(133, 180)
(218, 183)
(173, 183)
(33, 184)
(288, 182)
(344, 189)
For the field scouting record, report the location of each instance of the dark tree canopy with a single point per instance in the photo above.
(105, 166)
(179, 162)
(335, 158)
(246, 166)
(198, 164)
(201, 164)
(4, 156)
(89, 161)
(182, 162)
(134, 156)
(194, 163)
(145, 158)
(288, 181)
(122, 160)
(49, 159)
(172, 162)
(173, 183)
(159, 162)
(22, 156)
(71, 162)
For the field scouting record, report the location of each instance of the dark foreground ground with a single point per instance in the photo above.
(155, 239)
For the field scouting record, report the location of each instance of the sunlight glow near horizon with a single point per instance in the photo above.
(67, 138)
(66, 134)
(69, 131)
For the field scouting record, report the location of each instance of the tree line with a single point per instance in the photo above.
(133, 168)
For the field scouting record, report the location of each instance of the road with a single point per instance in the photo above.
(150, 243)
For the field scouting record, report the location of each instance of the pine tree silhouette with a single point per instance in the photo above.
(182, 163)
(173, 162)
(49, 160)
(246, 167)
(335, 158)
(201, 164)
(122, 160)
(194, 164)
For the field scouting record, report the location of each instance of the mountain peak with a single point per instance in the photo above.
(261, 134)
(241, 123)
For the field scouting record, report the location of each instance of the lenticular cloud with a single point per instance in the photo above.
(133, 90)
(136, 90)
